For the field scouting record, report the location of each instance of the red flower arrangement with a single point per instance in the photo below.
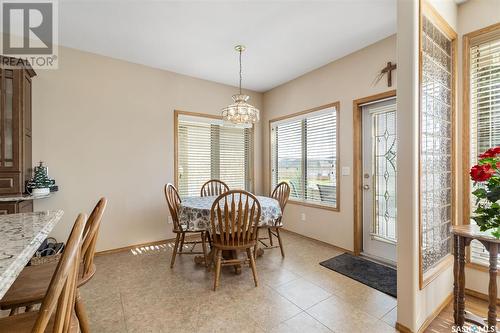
(486, 177)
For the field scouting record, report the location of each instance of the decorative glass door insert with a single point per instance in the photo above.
(384, 177)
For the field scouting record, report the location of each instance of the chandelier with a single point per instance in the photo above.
(240, 112)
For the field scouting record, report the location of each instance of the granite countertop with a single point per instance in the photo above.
(23, 197)
(20, 236)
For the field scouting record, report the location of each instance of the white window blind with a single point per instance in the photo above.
(485, 111)
(210, 149)
(304, 154)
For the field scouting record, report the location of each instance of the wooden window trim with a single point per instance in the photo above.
(426, 9)
(467, 42)
(357, 169)
(178, 113)
(337, 158)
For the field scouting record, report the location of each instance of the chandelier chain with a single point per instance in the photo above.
(240, 70)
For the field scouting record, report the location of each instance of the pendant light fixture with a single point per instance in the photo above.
(240, 112)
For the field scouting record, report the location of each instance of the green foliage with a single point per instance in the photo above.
(487, 193)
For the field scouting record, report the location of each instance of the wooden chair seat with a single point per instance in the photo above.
(24, 322)
(31, 285)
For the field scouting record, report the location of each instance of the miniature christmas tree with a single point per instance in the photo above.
(40, 179)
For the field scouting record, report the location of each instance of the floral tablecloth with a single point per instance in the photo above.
(194, 212)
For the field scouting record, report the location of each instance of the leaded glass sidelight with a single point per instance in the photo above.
(436, 117)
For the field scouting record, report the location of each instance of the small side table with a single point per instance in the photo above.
(463, 235)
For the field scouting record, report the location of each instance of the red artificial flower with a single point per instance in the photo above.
(492, 152)
(481, 173)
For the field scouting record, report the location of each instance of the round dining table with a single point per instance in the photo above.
(194, 215)
(194, 212)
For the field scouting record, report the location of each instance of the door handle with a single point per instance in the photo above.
(366, 187)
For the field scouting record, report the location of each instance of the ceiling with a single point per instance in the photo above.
(284, 39)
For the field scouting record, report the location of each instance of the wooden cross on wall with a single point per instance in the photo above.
(386, 70)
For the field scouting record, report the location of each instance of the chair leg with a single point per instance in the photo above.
(207, 233)
(172, 261)
(252, 265)
(204, 245)
(270, 236)
(281, 243)
(81, 314)
(14, 311)
(218, 263)
(181, 248)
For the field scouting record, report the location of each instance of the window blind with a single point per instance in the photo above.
(210, 149)
(485, 111)
(304, 154)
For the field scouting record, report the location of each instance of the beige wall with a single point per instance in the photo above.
(343, 80)
(105, 128)
(473, 15)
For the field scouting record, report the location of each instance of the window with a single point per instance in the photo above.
(304, 154)
(437, 91)
(208, 149)
(484, 97)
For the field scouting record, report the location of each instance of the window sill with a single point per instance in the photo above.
(434, 272)
(313, 205)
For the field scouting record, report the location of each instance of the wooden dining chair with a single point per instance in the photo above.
(281, 193)
(233, 219)
(56, 312)
(31, 285)
(213, 187)
(180, 230)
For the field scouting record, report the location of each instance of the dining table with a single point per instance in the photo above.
(194, 215)
(20, 236)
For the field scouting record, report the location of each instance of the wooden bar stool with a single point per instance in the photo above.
(56, 312)
(31, 285)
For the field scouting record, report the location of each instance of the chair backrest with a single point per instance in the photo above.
(281, 193)
(327, 193)
(173, 201)
(90, 234)
(61, 293)
(234, 218)
(295, 192)
(213, 187)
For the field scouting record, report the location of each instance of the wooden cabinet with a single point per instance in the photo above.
(15, 128)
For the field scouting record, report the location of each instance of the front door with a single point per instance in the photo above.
(379, 180)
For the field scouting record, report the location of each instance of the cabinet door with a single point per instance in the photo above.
(7, 208)
(9, 119)
(27, 136)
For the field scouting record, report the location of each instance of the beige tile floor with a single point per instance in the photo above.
(138, 292)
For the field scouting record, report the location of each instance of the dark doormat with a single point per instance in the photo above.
(374, 275)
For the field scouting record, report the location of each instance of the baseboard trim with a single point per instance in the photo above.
(131, 247)
(435, 313)
(318, 241)
(479, 295)
(402, 328)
